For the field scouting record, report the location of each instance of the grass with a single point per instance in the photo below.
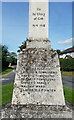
(66, 73)
(7, 91)
(69, 95)
(7, 70)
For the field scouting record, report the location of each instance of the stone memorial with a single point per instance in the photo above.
(38, 78)
(38, 90)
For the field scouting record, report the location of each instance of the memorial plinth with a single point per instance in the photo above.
(38, 90)
(38, 79)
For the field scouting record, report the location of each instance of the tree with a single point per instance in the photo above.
(0, 58)
(12, 58)
(58, 51)
(23, 46)
(7, 57)
(4, 56)
(67, 64)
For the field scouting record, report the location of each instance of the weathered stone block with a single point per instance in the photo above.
(38, 78)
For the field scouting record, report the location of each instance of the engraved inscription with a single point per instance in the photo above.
(38, 16)
(39, 80)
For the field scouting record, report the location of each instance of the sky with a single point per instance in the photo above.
(15, 24)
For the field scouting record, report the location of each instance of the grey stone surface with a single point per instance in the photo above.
(38, 20)
(38, 44)
(34, 111)
(38, 25)
(38, 78)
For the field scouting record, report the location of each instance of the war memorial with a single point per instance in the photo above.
(38, 90)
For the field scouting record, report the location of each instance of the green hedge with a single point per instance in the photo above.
(67, 64)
